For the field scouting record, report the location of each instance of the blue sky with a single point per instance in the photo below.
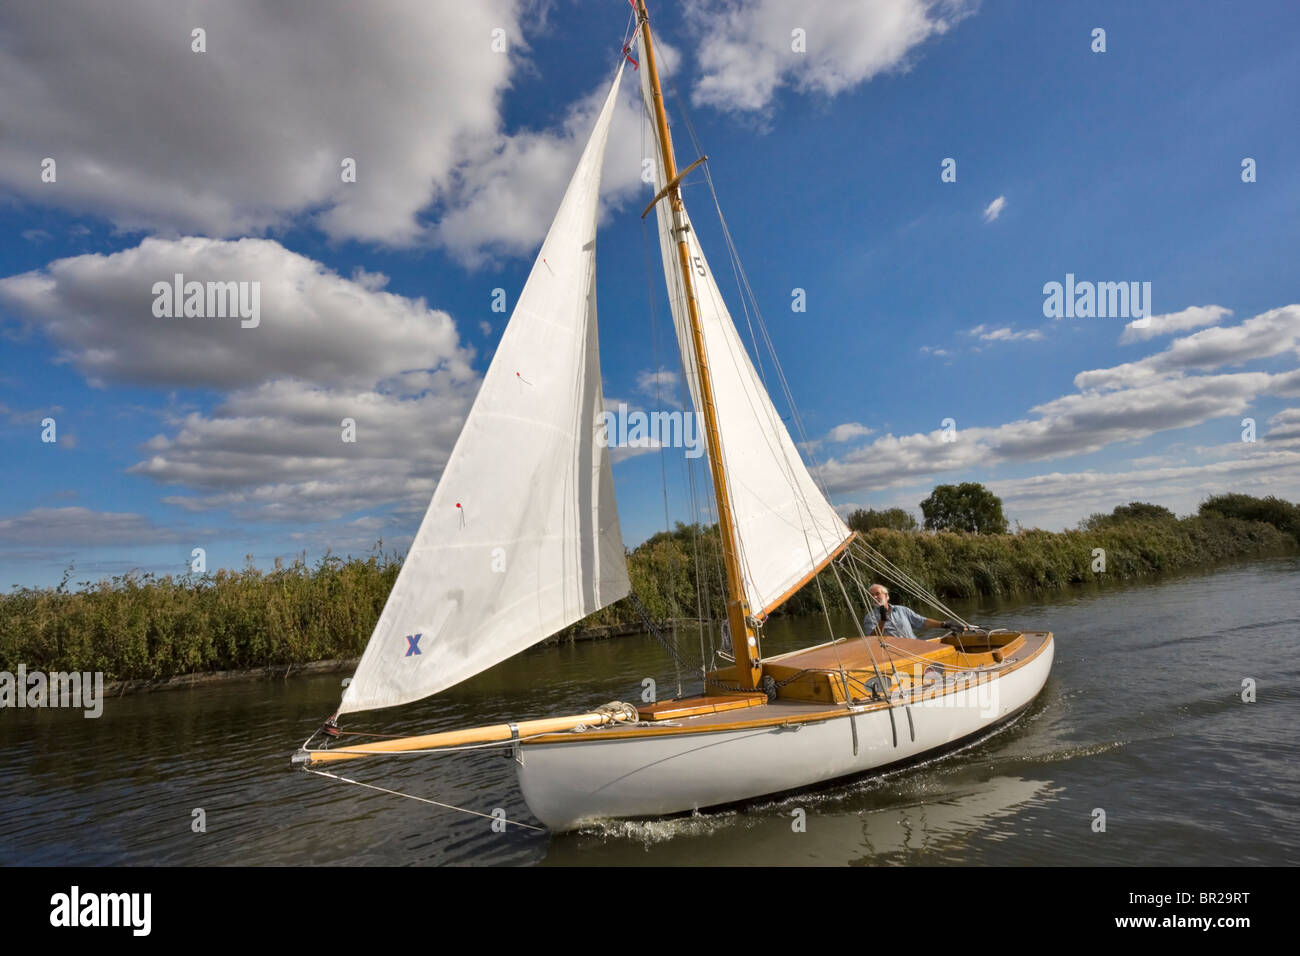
(922, 305)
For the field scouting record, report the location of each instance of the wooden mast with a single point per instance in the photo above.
(744, 642)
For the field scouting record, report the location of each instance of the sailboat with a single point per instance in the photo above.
(522, 539)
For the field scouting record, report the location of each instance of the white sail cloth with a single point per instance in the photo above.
(787, 528)
(522, 536)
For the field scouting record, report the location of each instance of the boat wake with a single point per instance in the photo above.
(652, 832)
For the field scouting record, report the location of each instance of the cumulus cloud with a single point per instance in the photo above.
(276, 452)
(748, 50)
(326, 349)
(235, 140)
(1137, 400)
(503, 198)
(252, 135)
(1268, 334)
(1157, 325)
(314, 324)
(847, 432)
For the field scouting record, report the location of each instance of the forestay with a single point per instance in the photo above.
(787, 528)
(522, 536)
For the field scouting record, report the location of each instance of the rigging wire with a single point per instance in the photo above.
(876, 561)
(674, 606)
(411, 796)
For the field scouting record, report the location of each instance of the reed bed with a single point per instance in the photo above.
(148, 627)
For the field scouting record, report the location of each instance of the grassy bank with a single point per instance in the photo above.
(148, 628)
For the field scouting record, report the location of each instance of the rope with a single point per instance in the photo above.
(411, 796)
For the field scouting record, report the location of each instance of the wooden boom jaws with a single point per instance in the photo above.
(673, 184)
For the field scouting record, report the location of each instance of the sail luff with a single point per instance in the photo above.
(521, 537)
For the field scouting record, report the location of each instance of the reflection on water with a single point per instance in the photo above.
(862, 823)
(1142, 717)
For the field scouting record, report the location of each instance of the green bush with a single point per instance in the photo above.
(1278, 512)
(870, 518)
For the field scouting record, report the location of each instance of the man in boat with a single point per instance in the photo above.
(896, 620)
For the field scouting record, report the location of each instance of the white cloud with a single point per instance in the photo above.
(847, 432)
(1157, 325)
(276, 452)
(1138, 401)
(315, 325)
(745, 53)
(662, 387)
(994, 209)
(327, 348)
(660, 380)
(1263, 336)
(1005, 334)
(251, 135)
(504, 197)
(1284, 426)
(1058, 499)
(935, 351)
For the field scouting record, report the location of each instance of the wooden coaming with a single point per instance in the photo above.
(698, 705)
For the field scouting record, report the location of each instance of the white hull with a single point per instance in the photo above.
(567, 784)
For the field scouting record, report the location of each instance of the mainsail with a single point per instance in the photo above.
(522, 536)
(786, 527)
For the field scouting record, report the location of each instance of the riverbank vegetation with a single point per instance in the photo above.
(146, 627)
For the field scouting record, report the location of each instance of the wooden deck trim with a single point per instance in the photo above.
(699, 705)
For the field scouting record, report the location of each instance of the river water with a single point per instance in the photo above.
(1142, 718)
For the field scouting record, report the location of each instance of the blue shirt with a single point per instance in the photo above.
(900, 622)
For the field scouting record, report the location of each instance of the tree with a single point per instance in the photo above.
(896, 519)
(965, 507)
(1278, 512)
(1142, 511)
(1133, 511)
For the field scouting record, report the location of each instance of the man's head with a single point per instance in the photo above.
(880, 594)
